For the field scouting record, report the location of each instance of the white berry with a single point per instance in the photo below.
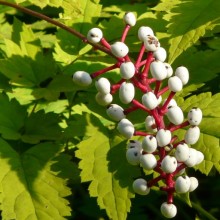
(169, 69)
(168, 210)
(127, 70)
(158, 70)
(160, 54)
(82, 78)
(133, 156)
(192, 135)
(149, 100)
(200, 157)
(94, 35)
(135, 144)
(149, 144)
(182, 184)
(115, 112)
(126, 128)
(103, 85)
(193, 183)
(148, 161)
(126, 92)
(163, 137)
(143, 32)
(169, 164)
(175, 115)
(140, 186)
(192, 159)
(151, 43)
(175, 84)
(149, 123)
(104, 99)
(195, 116)
(119, 49)
(183, 73)
(129, 18)
(182, 152)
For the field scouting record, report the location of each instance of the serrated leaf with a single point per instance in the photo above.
(32, 183)
(12, 116)
(41, 126)
(103, 163)
(189, 21)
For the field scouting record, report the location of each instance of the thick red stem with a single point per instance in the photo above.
(95, 74)
(176, 127)
(163, 109)
(144, 74)
(140, 55)
(140, 133)
(105, 43)
(140, 106)
(115, 87)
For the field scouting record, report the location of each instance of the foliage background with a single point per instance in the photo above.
(61, 157)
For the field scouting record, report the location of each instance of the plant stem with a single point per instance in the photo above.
(125, 32)
(56, 23)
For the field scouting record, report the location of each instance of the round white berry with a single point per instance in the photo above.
(126, 92)
(182, 152)
(150, 123)
(182, 184)
(200, 157)
(127, 70)
(94, 35)
(149, 144)
(103, 99)
(126, 128)
(193, 183)
(129, 18)
(195, 116)
(175, 84)
(192, 135)
(149, 100)
(143, 32)
(151, 43)
(133, 156)
(192, 159)
(163, 137)
(158, 70)
(169, 69)
(168, 210)
(135, 144)
(140, 186)
(82, 78)
(172, 102)
(148, 161)
(103, 85)
(183, 73)
(119, 49)
(160, 54)
(115, 112)
(175, 115)
(169, 164)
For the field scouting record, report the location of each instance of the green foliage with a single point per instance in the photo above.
(58, 148)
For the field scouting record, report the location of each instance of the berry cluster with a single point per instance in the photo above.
(159, 149)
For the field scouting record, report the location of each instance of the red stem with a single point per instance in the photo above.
(97, 73)
(140, 106)
(144, 74)
(105, 43)
(125, 32)
(140, 55)
(163, 109)
(174, 128)
(115, 87)
(140, 133)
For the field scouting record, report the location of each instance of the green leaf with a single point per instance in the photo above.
(203, 65)
(104, 164)
(189, 21)
(79, 16)
(40, 126)
(12, 116)
(33, 184)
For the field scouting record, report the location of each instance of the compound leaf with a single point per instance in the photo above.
(103, 163)
(189, 21)
(33, 183)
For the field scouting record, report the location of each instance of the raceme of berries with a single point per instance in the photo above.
(158, 149)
